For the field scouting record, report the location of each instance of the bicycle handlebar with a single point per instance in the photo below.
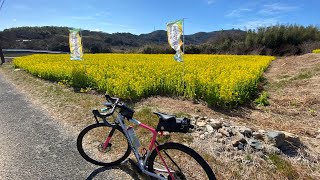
(114, 102)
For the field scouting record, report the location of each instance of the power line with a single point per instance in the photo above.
(2, 4)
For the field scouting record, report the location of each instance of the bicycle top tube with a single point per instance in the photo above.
(153, 131)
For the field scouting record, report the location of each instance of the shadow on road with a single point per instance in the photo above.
(126, 168)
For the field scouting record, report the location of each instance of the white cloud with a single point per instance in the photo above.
(210, 1)
(276, 8)
(82, 17)
(102, 14)
(237, 12)
(255, 23)
(14, 20)
(21, 7)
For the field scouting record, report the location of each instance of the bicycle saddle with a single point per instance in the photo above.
(164, 117)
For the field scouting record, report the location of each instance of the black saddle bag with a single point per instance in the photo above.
(173, 124)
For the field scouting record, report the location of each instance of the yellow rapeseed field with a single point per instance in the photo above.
(220, 80)
(316, 51)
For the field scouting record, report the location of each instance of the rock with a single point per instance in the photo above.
(292, 138)
(226, 124)
(225, 131)
(166, 133)
(240, 146)
(256, 144)
(245, 131)
(216, 124)
(271, 150)
(235, 143)
(218, 135)
(193, 120)
(275, 138)
(203, 118)
(263, 132)
(257, 135)
(238, 140)
(318, 137)
(201, 123)
(209, 129)
(202, 136)
(206, 133)
(196, 117)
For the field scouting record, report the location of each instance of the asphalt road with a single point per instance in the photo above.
(35, 146)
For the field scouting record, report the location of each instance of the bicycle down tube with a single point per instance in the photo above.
(141, 163)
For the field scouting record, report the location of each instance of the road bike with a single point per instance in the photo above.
(110, 143)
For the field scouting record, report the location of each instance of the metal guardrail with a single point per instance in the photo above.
(9, 54)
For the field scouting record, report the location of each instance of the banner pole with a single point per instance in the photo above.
(81, 44)
(183, 74)
(183, 32)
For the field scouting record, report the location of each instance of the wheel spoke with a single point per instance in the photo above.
(91, 143)
(183, 163)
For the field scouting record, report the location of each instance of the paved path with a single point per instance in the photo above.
(34, 146)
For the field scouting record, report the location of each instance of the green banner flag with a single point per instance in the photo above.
(75, 44)
(174, 32)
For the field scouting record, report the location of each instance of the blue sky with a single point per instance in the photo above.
(143, 16)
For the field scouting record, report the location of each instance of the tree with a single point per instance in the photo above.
(1, 53)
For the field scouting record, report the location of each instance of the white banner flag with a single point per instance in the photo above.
(174, 32)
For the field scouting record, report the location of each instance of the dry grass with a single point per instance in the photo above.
(293, 84)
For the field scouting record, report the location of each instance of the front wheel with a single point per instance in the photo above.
(183, 162)
(103, 145)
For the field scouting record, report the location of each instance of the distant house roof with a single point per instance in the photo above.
(33, 51)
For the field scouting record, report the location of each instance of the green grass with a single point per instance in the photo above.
(303, 75)
(284, 166)
(285, 80)
(262, 100)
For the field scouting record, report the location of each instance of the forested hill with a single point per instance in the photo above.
(275, 40)
(56, 39)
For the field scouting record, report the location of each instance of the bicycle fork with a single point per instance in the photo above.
(106, 143)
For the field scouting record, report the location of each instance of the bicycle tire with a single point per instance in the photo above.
(84, 154)
(182, 148)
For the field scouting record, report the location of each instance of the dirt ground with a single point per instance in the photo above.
(293, 85)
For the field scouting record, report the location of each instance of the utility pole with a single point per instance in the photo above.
(1, 53)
